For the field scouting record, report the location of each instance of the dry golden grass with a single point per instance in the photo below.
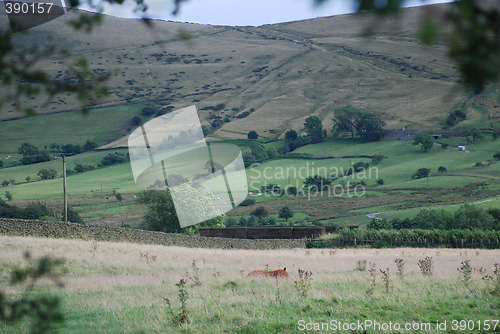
(125, 264)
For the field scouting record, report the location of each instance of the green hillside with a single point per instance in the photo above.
(267, 79)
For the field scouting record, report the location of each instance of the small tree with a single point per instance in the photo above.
(47, 173)
(442, 169)
(28, 179)
(425, 140)
(380, 181)
(8, 195)
(89, 145)
(119, 197)
(377, 158)
(497, 155)
(252, 135)
(5, 183)
(136, 121)
(285, 213)
(260, 212)
(421, 172)
(314, 129)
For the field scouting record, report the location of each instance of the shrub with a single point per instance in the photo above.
(285, 213)
(260, 212)
(421, 173)
(114, 158)
(291, 190)
(47, 173)
(135, 121)
(8, 195)
(252, 135)
(380, 181)
(442, 169)
(89, 145)
(148, 110)
(248, 202)
(5, 183)
(478, 164)
(497, 155)
(79, 168)
(376, 159)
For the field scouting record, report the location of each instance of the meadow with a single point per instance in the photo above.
(121, 287)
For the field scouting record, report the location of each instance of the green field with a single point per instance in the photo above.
(401, 195)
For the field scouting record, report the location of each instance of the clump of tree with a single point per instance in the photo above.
(114, 158)
(259, 153)
(260, 212)
(353, 121)
(421, 173)
(293, 141)
(31, 154)
(455, 117)
(314, 130)
(425, 140)
(317, 181)
(161, 215)
(357, 167)
(252, 135)
(248, 202)
(47, 173)
(285, 213)
(80, 168)
(467, 217)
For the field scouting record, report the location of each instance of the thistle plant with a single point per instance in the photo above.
(182, 316)
(361, 265)
(373, 278)
(303, 284)
(466, 270)
(385, 277)
(426, 266)
(400, 263)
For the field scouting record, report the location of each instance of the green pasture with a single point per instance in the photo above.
(101, 125)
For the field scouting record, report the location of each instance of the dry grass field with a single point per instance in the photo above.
(118, 287)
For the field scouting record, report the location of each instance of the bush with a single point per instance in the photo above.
(379, 224)
(73, 216)
(252, 135)
(47, 173)
(89, 145)
(291, 190)
(148, 110)
(36, 210)
(8, 195)
(79, 168)
(478, 164)
(380, 181)
(260, 212)
(119, 197)
(442, 169)
(135, 121)
(444, 146)
(421, 173)
(5, 183)
(497, 155)
(248, 202)
(114, 158)
(376, 159)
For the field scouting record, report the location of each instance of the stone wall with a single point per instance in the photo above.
(48, 229)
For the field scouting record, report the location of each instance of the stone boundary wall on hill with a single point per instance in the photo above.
(50, 229)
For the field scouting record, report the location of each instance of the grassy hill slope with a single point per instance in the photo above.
(270, 78)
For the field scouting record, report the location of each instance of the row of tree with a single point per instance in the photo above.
(467, 217)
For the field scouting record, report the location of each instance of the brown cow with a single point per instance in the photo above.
(280, 273)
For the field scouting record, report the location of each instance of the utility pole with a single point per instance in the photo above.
(64, 188)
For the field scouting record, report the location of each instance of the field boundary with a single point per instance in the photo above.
(61, 230)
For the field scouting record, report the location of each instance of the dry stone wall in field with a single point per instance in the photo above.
(50, 229)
